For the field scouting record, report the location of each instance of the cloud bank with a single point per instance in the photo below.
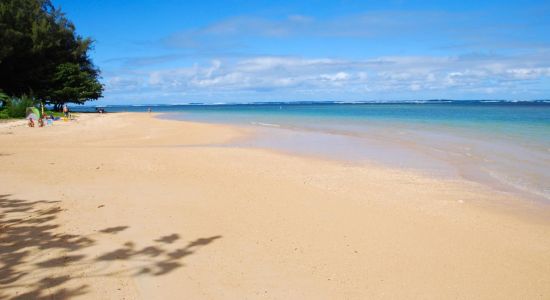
(295, 78)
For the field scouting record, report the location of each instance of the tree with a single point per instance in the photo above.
(27, 31)
(72, 84)
(36, 40)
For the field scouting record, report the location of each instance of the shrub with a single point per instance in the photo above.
(16, 107)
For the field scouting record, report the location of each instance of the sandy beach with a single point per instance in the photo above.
(128, 206)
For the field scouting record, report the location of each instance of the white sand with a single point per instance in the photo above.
(145, 209)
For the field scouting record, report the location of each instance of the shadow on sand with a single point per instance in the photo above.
(38, 261)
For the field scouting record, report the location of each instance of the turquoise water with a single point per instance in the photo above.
(503, 144)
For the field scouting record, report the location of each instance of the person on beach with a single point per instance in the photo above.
(149, 110)
(65, 110)
(49, 120)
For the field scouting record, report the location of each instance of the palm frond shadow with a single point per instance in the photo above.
(29, 235)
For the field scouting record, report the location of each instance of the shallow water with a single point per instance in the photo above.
(504, 144)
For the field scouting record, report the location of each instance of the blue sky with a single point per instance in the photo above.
(153, 52)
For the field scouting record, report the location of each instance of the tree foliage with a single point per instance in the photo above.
(72, 84)
(41, 55)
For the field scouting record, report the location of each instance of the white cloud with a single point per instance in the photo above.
(277, 77)
(528, 73)
(340, 76)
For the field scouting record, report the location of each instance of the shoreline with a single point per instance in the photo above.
(148, 208)
(274, 137)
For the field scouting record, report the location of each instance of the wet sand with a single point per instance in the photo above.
(129, 206)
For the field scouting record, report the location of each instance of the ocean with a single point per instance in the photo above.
(500, 143)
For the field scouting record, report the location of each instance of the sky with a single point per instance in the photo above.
(173, 52)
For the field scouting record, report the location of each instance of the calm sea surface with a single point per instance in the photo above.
(504, 144)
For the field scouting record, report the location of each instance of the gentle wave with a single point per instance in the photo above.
(265, 124)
